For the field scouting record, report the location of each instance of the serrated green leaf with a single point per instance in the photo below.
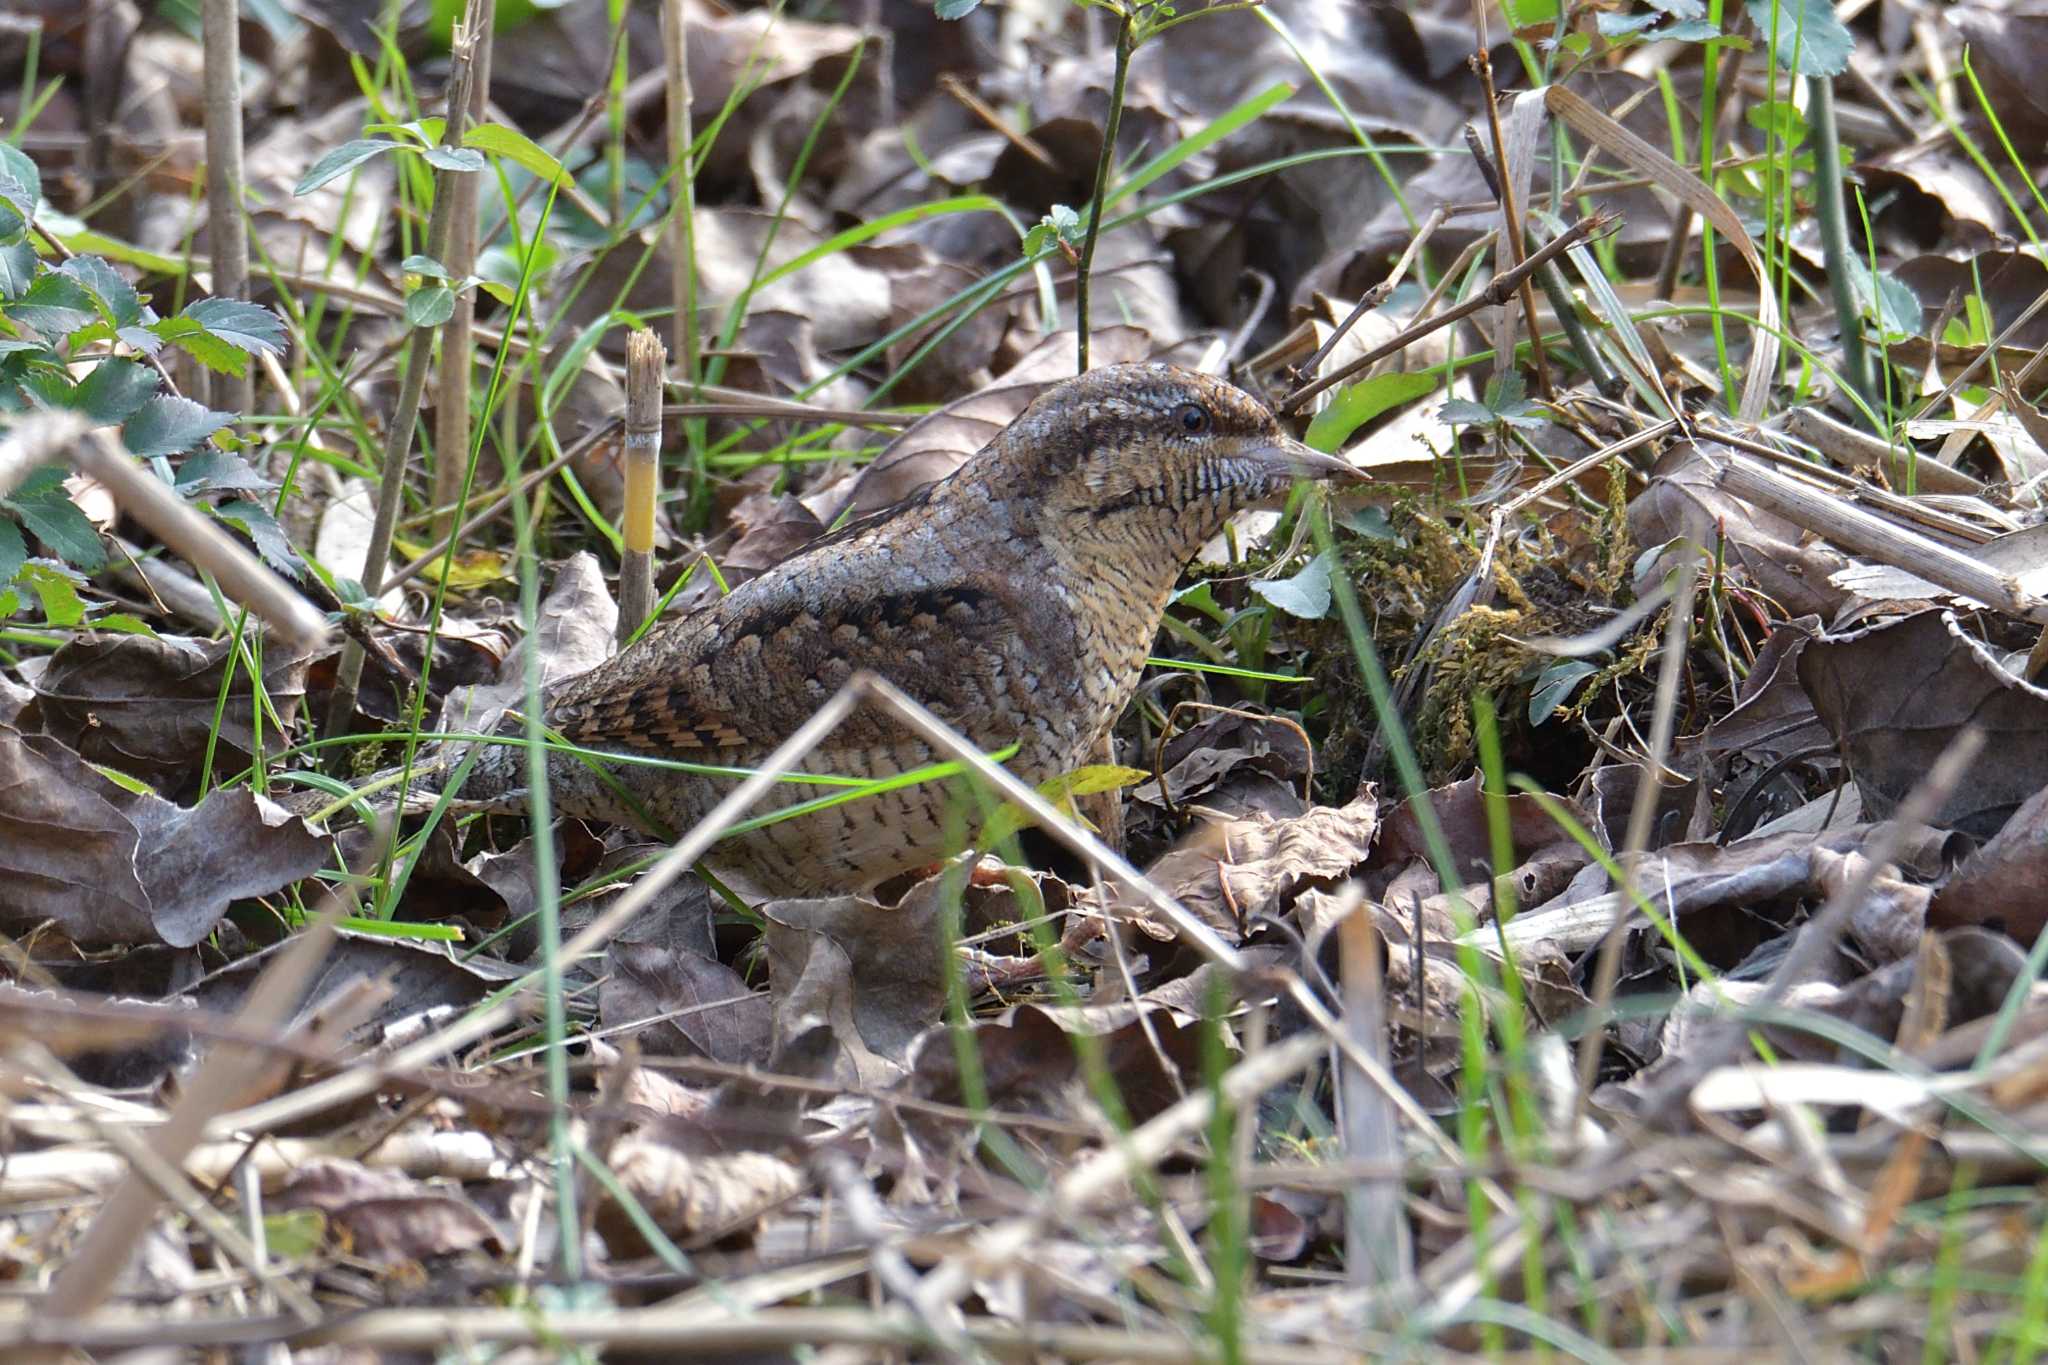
(341, 161)
(246, 326)
(213, 470)
(119, 304)
(114, 389)
(17, 270)
(53, 306)
(13, 554)
(56, 591)
(51, 517)
(19, 201)
(141, 338)
(1306, 594)
(264, 533)
(429, 307)
(1807, 35)
(519, 149)
(168, 424)
(222, 357)
(16, 166)
(1882, 297)
(1356, 404)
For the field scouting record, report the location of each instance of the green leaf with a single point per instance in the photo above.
(424, 266)
(1806, 34)
(51, 517)
(121, 623)
(518, 148)
(248, 327)
(954, 9)
(222, 357)
(119, 303)
(16, 165)
(1369, 522)
(1895, 307)
(1063, 224)
(255, 521)
(13, 553)
(1555, 685)
(458, 159)
(1614, 27)
(55, 587)
(1306, 595)
(429, 307)
(17, 269)
(1061, 791)
(341, 161)
(54, 306)
(1356, 404)
(168, 424)
(114, 390)
(213, 470)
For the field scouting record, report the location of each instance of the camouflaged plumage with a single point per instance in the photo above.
(1016, 598)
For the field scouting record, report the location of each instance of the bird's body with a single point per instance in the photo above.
(1017, 599)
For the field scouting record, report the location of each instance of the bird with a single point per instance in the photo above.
(1017, 598)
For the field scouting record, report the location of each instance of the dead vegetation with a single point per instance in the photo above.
(1585, 892)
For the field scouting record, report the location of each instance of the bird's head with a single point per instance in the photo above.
(1149, 458)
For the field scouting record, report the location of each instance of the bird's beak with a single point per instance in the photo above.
(1290, 459)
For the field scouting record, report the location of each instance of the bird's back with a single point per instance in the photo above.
(926, 597)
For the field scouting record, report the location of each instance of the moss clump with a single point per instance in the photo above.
(1542, 584)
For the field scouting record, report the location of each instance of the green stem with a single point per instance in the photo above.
(1834, 233)
(1124, 47)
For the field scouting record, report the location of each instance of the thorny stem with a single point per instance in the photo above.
(1125, 46)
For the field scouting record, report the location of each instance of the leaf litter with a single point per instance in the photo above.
(1577, 797)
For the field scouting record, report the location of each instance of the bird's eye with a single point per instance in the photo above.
(1194, 418)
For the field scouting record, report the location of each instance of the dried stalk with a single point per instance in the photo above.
(1499, 291)
(1840, 523)
(405, 414)
(227, 232)
(1663, 724)
(458, 344)
(1377, 1250)
(645, 364)
(242, 577)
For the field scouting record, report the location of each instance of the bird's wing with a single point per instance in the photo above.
(731, 682)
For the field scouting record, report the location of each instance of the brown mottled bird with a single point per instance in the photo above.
(1016, 598)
